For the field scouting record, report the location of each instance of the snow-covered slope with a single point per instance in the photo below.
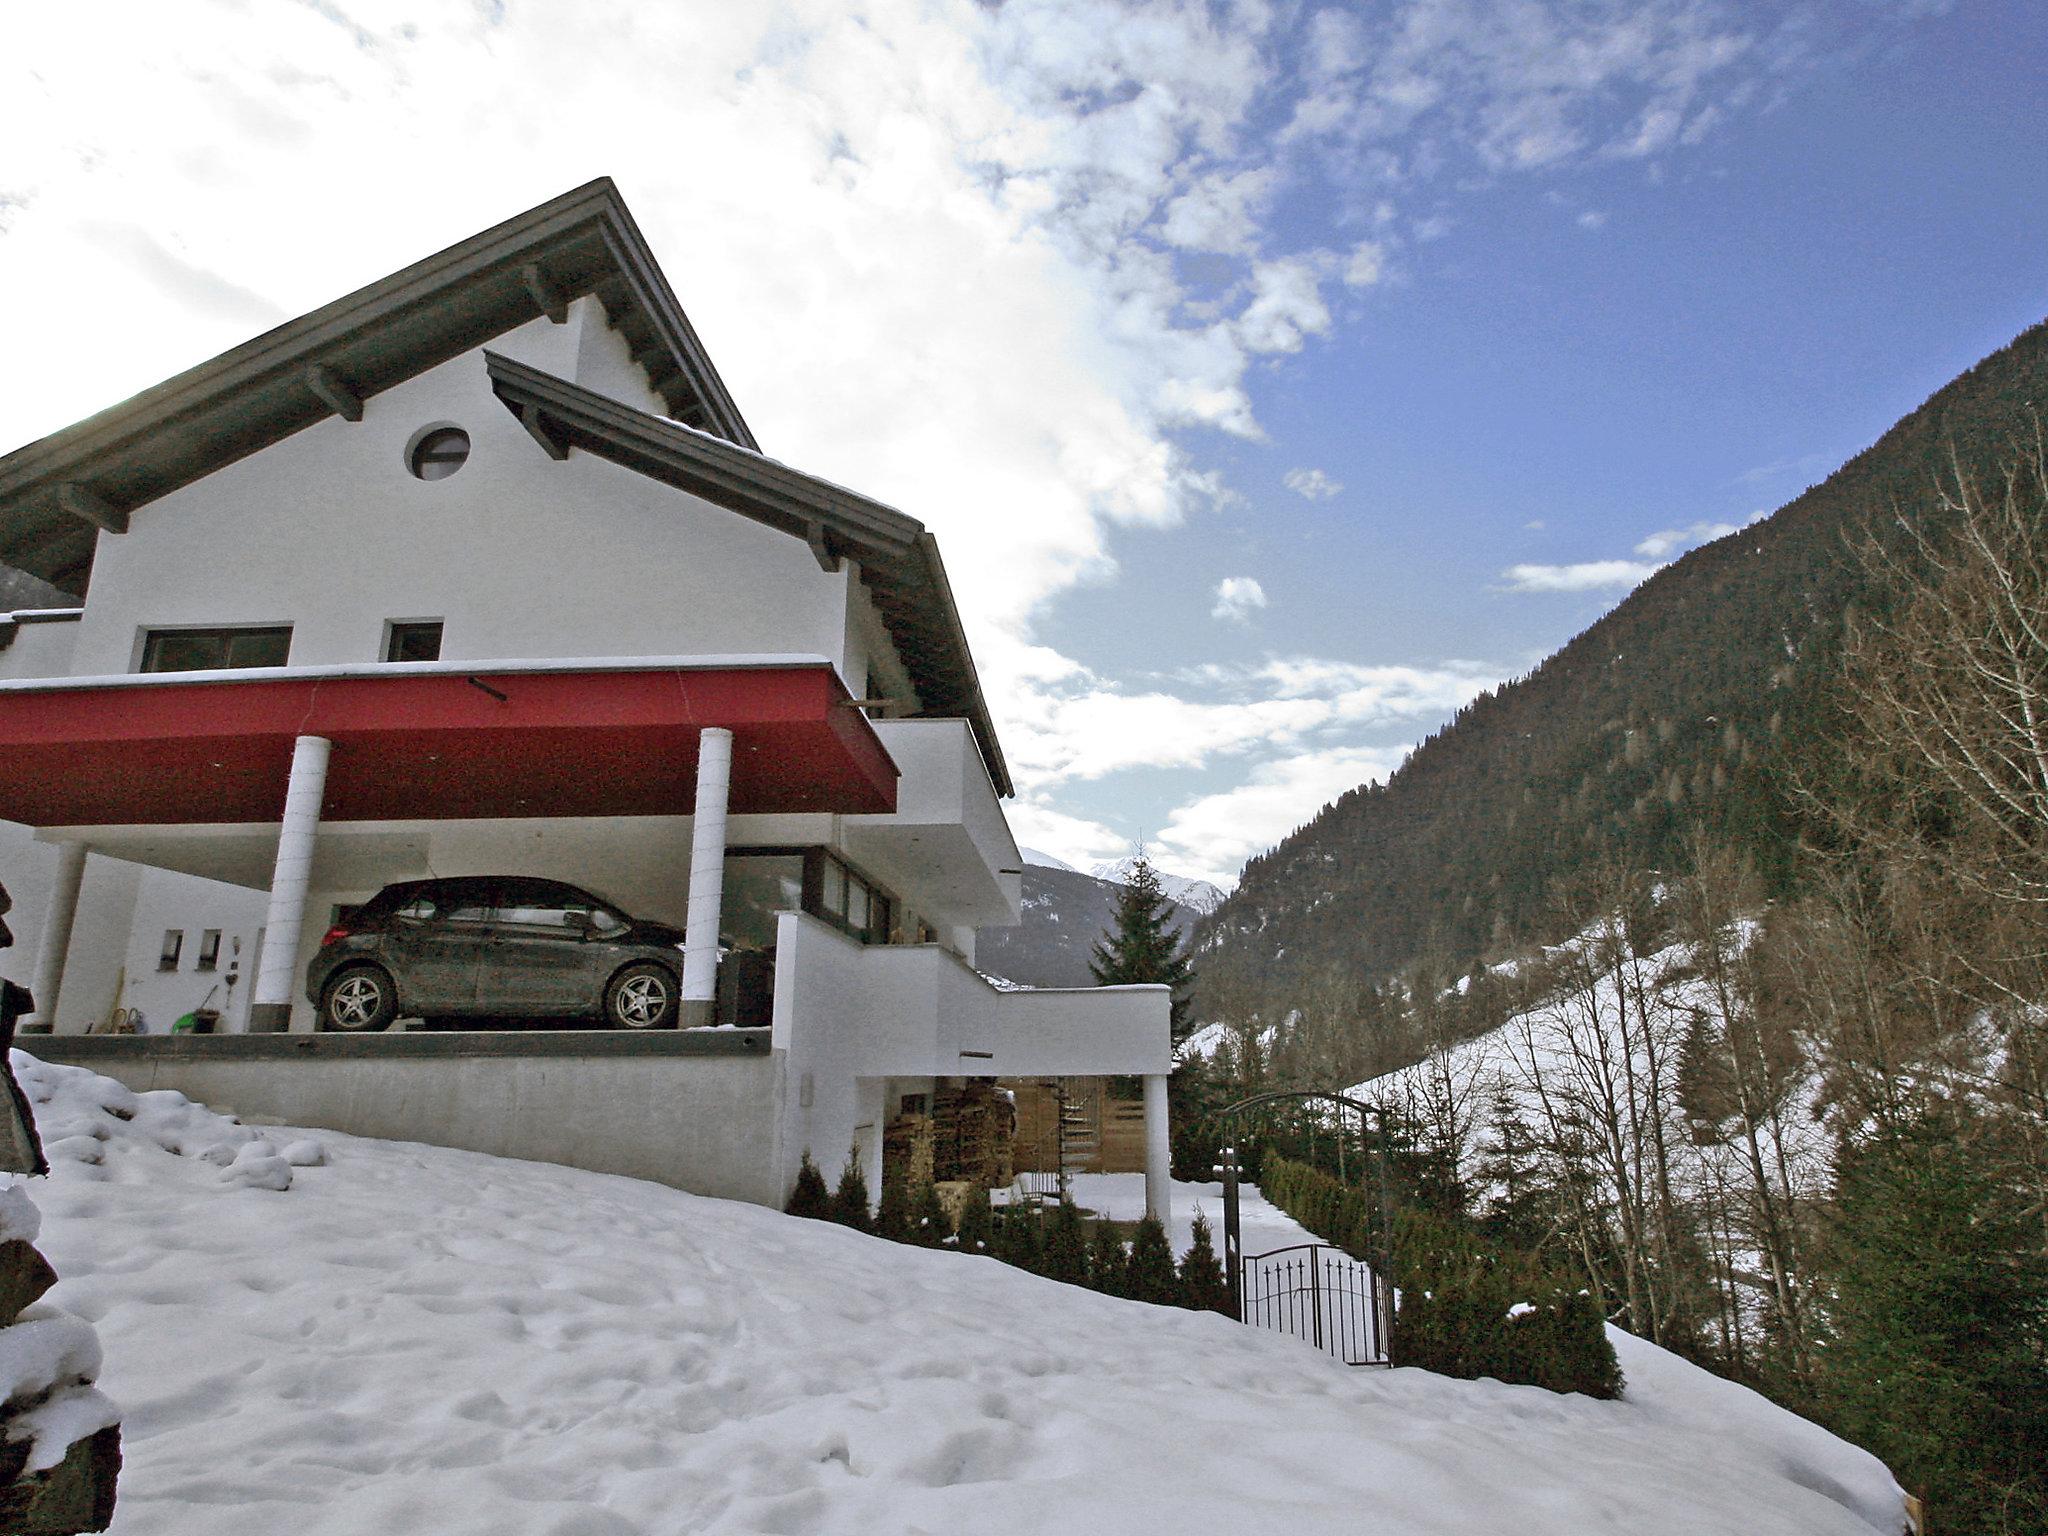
(414, 1339)
(1199, 895)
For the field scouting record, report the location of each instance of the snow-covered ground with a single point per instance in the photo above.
(407, 1338)
(1121, 1197)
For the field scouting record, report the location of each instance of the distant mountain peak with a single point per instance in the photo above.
(1199, 895)
(1045, 860)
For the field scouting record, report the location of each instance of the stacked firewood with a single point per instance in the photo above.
(907, 1149)
(973, 1132)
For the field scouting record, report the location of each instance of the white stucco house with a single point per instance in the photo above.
(479, 570)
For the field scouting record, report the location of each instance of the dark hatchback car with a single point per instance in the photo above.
(491, 947)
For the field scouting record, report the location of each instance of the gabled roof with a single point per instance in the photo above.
(898, 557)
(56, 494)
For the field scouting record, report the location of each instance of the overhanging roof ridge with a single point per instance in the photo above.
(254, 394)
(899, 556)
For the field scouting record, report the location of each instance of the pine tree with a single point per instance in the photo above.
(977, 1232)
(1066, 1244)
(1143, 947)
(849, 1204)
(809, 1197)
(1107, 1260)
(1939, 1313)
(892, 1211)
(931, 1226)
(1150, 1274)
(1202, 1284)
(1020, 1237)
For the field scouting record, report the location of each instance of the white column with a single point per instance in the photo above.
(57, 921)
(707, 876)
(277, 974)
(1158, 1151)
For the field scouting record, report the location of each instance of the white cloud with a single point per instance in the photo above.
(1366, 265)
(1212, 835)
(1587, 576)
(1286, 306)
(1218, 213)
(1237, 598)
(1669, 540)
(1311, 484)
(1592, 218)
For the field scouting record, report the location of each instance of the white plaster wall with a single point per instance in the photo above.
(99, 934)
(518, 555)
(166, 900)
(604, 362)
(852, 1019)
(40, 649)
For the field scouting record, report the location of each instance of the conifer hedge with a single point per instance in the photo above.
(1468, 1307)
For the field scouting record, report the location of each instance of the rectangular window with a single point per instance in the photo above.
(209, 950)
(174, 946)
(214, 650)
(845, 899)
(413, 640)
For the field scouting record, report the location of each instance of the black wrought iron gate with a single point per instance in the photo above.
(1317, 1293)
(1320, 1295)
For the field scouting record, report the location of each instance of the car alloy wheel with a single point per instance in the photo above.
(358, 1000)
(643, 998)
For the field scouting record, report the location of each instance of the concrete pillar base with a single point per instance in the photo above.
(269, 1018)
(697, 1013)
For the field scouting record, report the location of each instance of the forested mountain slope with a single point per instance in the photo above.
(1681, 709)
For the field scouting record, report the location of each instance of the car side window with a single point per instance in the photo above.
(475, 905)
(420, 909)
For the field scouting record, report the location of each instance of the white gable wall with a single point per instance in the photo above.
(518, 555)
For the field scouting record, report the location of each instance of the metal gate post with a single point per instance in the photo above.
(1233, 1258)
(1315, 1291)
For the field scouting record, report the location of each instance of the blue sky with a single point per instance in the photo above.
(1275, 375)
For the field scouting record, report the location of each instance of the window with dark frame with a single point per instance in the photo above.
(174, 946)
(413, 640)
(209, 951)
(215, 650)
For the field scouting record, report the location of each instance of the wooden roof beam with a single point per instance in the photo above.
(334, 392)
(83, 502)
(547, 298)
(542, 431)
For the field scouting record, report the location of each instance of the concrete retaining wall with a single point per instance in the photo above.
(695, 1110)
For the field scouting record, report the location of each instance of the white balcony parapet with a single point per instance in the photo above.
(918, 1010)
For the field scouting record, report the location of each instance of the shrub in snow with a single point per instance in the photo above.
(930, 1225)
(1470, 1308)
(1202, 1286)
(1020, 1238)
(1066, 1244)
(892, 1211)
(809, 1196)
(1107, 1260)
(1150, 1275)
(849, 1203)
(977, 1223)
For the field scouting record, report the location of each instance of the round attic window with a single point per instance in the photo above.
(439, 453)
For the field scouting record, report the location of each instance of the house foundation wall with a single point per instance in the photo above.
(696, 1112)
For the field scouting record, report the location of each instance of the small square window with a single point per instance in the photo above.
(414, 640)
(174, 946)
(209, 951)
